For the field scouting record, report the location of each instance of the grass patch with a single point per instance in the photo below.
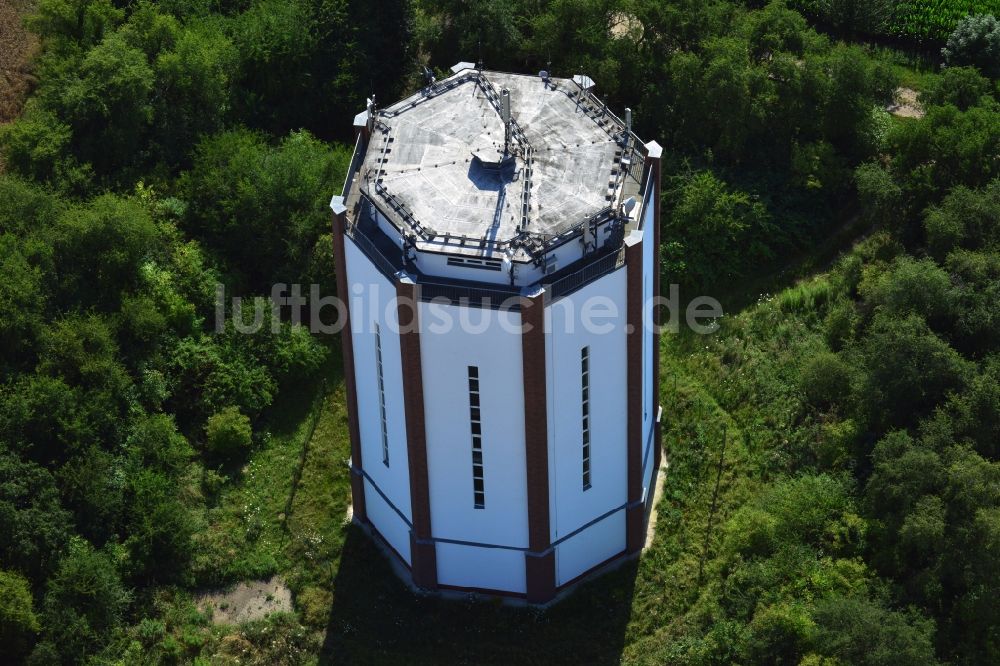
(244, 535)
(735, 420)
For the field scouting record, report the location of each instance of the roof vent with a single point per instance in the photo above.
(491, 159)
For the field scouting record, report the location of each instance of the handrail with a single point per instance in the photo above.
(589, 273)
(353, 167)
(383, 263)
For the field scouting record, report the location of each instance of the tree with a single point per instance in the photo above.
(962, 87)
(193, 90)
(22, 301)
(154, 443)
(159, 529)
(84, 602)
(34, 527)
(879, 193)
(108, 104)
(858, 631)
(241, 186)
(709, 220)
(18, 622)
(975, 41)
(910, 369)
(966, 218)
(71, 26)
(101, 247)
(911, 286)
(92, 487)
(851, 16)
(826, 380)
(228, 432)
(38, 146)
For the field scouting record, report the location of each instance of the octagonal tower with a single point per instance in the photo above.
(499, 441)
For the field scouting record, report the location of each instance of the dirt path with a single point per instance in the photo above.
(247, 601)
(661, 475)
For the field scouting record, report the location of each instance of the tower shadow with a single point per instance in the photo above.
(376, 619)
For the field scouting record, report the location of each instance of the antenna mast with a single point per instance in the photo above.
(505, 114)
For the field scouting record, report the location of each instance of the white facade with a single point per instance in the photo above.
(488, 456)
(571, 506)
(371, 301)
(483, 548)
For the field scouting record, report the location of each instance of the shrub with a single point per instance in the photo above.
(18, 622)
(962, 87)
(841, 324)
(826, 379)
(976, 41)
(228, 432)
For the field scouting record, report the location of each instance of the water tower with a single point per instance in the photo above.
(498, 443)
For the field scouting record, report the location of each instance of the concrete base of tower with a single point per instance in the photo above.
(539, 568)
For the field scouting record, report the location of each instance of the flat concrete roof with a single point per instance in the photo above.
(424, 164)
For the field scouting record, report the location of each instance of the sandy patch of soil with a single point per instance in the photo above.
(661, 475)
(624, 25)
(247, 601)
(907, 104)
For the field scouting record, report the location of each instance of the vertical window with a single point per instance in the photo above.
(381, 395)
(476, 427)
(585, 412)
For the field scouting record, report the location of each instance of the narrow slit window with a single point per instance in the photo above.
(585, 412)
(381, 395)
(476, 428)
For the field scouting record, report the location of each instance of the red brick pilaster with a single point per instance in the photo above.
(423, 556)
(347, 349)
(539, 561)
(653, 160)
(635, 509)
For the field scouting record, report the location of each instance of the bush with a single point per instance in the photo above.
(962, 87)
(976, 41)
(910, 369)
(841, 324)
(84, 602)
(228, 432)
(826, 379)
(18, 623)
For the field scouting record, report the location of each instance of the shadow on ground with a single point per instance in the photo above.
(375, 619)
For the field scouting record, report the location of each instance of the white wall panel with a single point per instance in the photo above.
(368, 308)
(593, 546)
(485, 568)
(446, 354)
(574, 506)
(387, 522)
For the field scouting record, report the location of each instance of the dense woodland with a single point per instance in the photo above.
(834, 491)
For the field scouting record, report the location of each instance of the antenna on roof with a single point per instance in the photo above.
(479, 65)
(505, 115)
(429, 76)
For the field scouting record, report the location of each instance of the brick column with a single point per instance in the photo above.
(423, 556)
(347, 349)
(653, 160)
(539, 561)
(635, 510)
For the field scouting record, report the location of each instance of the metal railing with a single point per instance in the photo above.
(388, 267)
(593, 271)
(484, 297)
(356, 161)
